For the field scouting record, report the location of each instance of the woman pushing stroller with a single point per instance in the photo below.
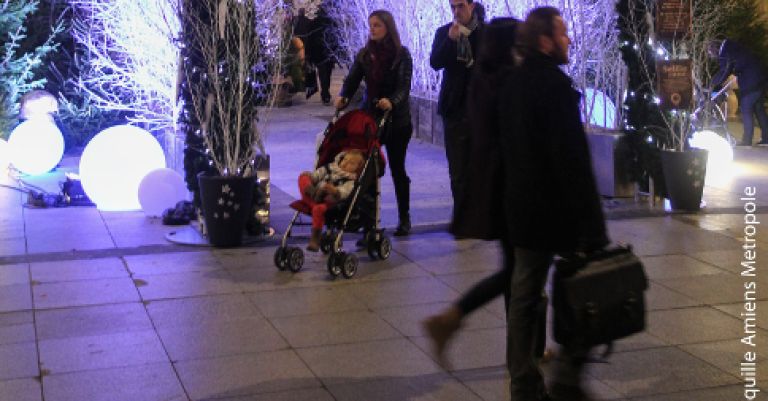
(387, 67)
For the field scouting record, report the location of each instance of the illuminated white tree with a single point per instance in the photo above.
(132, 58)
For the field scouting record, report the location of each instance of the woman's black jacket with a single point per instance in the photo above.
(396, 85)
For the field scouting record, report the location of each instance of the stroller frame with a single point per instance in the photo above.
(341, 262)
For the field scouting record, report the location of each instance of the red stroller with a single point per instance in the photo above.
(360, 211)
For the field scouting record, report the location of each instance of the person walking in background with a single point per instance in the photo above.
(551, 205)
(753, 82)
(453, 51)
(321, 43)
(387, 68)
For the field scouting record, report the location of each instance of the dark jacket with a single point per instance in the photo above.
(550, 196)
(456, 75)
(396, 85)
(321, 39)
(738, 60)
(480, 211)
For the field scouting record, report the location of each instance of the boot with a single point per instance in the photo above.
(403, 195)
(440, 329)
(314, 240)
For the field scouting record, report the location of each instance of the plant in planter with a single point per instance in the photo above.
(658, 132)
(230, 57)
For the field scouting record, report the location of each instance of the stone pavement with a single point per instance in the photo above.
(99, 306)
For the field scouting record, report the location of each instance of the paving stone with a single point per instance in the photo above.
(74, 270)
(385, 358)
(312, 394)
(663, 267)
(92, 321)
(692, 325)
(266, 372)
(728, 354)
(428, 387)
(672, 371)
(737, 309)
(142, 383)
(21, 390)
(14, 274)
(19, 361)
(203, 309)
(333, 328)
(16, 327)
(148, 265)
(708, 394)
(100, 352)
(214, 339)
(80, 293)
(403, 292)
(659, 297)
(180, 285)
(306, 301)
(730, 288)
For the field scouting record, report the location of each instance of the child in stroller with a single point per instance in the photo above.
(359, 209)
(326, 186)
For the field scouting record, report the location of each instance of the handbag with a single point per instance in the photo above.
(599, 297)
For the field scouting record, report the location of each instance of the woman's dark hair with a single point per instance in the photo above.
(539, 22)
(392, 34)
(497, 44)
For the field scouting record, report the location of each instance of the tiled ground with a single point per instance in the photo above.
(98, 306)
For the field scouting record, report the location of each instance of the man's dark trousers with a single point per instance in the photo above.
(457, 132)
(752, 104)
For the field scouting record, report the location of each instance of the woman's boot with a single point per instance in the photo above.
(403, 195)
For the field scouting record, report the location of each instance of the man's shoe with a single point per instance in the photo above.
(311, 91)
(403, 228)
(762, 143)
(744, 144)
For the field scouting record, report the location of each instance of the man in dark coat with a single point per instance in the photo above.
(753, 81)
(453, 51)
(321, 42)
(551, 204)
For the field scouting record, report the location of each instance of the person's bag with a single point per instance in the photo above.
(599, 297)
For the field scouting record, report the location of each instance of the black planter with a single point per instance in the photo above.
(226, 203)
(684, 174)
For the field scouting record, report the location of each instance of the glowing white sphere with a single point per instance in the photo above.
(161, 189)
(113, 164)
(36, 146)
(5, 155)
(603, 108)
(720, 156)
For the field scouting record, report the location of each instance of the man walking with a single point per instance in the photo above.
(551, 204)
(453, 51)
(753, 82)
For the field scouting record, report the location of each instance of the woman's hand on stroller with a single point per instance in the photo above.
(341, 103)
(384, 104)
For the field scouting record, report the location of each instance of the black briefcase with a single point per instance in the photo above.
(599, 298)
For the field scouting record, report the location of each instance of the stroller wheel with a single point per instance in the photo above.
(349, 265)
(384, 248)
(281, 258)
(334, 264)
(295, 259)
